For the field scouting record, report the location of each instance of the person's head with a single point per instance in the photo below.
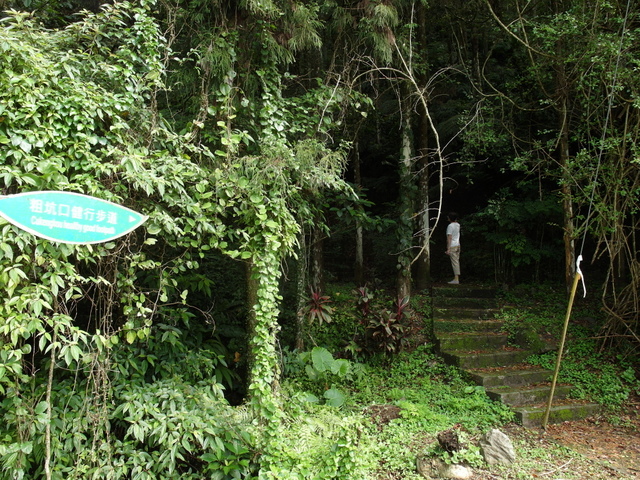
(452, 216)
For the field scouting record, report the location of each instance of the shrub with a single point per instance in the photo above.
(175, 430)
(591, 374)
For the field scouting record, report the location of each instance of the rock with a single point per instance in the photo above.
(496, 448)
(435, 468)
(423, 466)
(455, 471)
(449, 441)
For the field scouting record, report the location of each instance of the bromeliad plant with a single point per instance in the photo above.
(317, 308)
(388, 332)
(385, 331)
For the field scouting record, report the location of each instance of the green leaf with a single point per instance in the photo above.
(76, 351)
(131, 336)
(322, 359)
(310, 398)
(334, 397)
(340, 367)
(153, 229)
(37, 307)
(312, 373)
(41, 408)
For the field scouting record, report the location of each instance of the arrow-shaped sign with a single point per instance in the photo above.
(68, 217)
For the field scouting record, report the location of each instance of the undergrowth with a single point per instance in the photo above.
(343, 417)
(531, 313)
(425, 395)
(391, 408)
(591, 373)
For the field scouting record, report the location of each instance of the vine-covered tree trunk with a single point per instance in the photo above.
(252, 300)
(264, 371)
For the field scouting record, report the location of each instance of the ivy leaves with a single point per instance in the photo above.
(77, 112)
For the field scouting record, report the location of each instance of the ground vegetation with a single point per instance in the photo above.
(280, 150)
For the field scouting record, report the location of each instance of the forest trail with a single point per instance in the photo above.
(469, 336)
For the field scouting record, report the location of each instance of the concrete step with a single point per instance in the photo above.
(471, 341)
(462, 290)
(489, 358)
(464, 313)
(468, 336)
(528, 394)
(510, 376)
(532, 416)
(464, 303)
(442, 326)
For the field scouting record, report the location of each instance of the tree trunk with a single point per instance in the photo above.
(301, 291)
(422, 277)
(317, 260)
(252, 300)
(264, 368)
(359, 260)
(405, 223)
(562, 96)
(569, 236)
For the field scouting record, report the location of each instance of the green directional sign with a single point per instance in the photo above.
(68, 217)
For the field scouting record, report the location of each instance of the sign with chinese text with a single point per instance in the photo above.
(68, 217)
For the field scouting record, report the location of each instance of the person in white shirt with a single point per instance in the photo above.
(453, 246)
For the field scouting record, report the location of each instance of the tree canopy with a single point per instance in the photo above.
(272, 144)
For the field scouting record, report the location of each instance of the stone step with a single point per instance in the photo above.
(454, 325)
(532, 416)
(457, 291)
(471, 341)
(463, 303)
(526, 395)
(464, 313)
(510, 376)
(469, 336)
(495, 358)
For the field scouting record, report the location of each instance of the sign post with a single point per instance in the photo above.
(68, 217)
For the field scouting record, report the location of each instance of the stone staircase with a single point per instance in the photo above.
(469, 336)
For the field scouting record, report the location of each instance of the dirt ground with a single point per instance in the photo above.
(599, 448)
(607, 447)
(616, 445)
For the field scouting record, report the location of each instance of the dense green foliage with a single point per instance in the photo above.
(79, 306)
(75, 116)
(234, 126)
(599, 374)
(424, 395)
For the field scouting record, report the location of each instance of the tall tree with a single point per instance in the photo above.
(231, 181)
(579, 54)
(423, 260)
